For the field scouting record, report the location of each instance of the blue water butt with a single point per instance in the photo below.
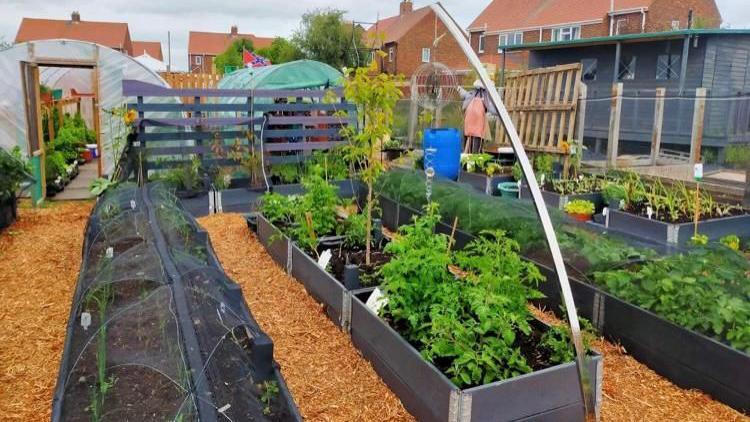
(446, 159)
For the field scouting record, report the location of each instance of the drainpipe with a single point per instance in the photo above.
(540, 34)
(643, 20)
(618, 52)
(611, 17)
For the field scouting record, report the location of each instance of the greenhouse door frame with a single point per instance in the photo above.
(31, 85)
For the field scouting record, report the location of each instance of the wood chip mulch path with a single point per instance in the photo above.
(633, 392)
(40, 256)
(328, 378)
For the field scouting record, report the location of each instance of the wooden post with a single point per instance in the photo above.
(696, 139)
(413, 112)
(614, 125)
(582, 96)
(658, 123)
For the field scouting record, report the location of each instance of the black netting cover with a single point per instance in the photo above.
(157, 331)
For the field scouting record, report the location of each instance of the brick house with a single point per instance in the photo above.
(203, 47)
(513, 22)
(152, 48)
(408, 39)
(115, 35)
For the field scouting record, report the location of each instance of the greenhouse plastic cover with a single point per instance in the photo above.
(300, 74)
(113, 68)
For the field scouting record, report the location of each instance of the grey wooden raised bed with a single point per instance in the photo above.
(551, 394)
(556, 200)
(687, 358)
(482, 182)
(276, 243)
(677, 234)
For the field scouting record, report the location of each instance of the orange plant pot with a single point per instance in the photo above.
(580, 217)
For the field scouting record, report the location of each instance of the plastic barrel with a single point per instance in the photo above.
(446, 157)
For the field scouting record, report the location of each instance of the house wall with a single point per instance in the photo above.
(661, 13)
(206, 67)
(421, 35)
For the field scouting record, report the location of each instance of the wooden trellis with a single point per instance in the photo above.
(542, 104)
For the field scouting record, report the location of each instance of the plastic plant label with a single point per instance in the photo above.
(132, 204)
(224, 408)
(649, 212)
(85, 320)
(698, 171)
(605, 211)
(325, 258)
(542, 180)
(376, 301)
(110, 252)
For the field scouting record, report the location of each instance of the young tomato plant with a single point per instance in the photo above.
(375, 95)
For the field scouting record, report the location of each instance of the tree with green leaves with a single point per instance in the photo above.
(280, 51)
(232, 56)
(325, 36)
(375, 95)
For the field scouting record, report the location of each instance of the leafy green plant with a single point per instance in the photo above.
(315, 212)
(100, 185)
(699, 240)
(469, 321)
(613, 191)
(475, 162)
(517, 171)
(13, 171)
(543, 165)
(704, 290)
(270, 391)
(580, 206)
(375, 94)
(287, 173)
(355, 230)
(278, 209)
(731, 241)
(737, 156)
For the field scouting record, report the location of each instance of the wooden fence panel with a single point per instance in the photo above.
(182, 80)
(542, 104)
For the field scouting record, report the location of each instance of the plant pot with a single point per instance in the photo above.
(508, 189)
(580, 217)
(483, 182)
(8, 211)
(556, 200)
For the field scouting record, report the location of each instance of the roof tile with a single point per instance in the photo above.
(215, 43)
(152, 48)
(109, 34)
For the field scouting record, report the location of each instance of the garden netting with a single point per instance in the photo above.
(157, 331)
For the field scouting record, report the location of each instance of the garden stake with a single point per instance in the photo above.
(697, 207)
(452, 240)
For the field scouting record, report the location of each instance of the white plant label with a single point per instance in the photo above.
(542, 180)
(698, 171)
(132, 204)
(325, 258)
(224, 408)
(605, 211)
(85, 320)
(110, 252)
(376, 301)
(649, 212)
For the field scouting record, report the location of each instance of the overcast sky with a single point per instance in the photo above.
(151, 19)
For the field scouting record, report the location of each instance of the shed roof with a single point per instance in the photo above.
(506, 15)
(394, 28)
(215, 43)
(109, 34)
(644, 37)
(152, 48)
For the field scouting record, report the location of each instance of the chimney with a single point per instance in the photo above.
(75, 17)
(405, 7)
(234, 30)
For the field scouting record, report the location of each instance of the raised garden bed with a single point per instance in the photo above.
(689, 359)
(482, 182)
(677, 233)
(430, 396)
(558, 201)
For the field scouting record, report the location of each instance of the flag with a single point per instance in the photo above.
(253, 60)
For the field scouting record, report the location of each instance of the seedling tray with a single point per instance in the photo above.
(687, 358)
(677, 234)
(558, 201)
(430, 396)
(482, 182)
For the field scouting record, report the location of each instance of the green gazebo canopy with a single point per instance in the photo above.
(300, 74)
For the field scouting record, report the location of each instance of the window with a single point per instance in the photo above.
(425, 55)
(511, 38)
(481, 43)
(675, 25)
(620, 24)
(566, 33)
(627, 68)
(668, 67)
(391, 54)
(198, 60)
(589, 69)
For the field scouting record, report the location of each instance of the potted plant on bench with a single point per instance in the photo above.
(13, 171)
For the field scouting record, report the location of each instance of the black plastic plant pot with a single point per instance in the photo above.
(252, 222)
(482, 182)
(551, 394)
(8, 211)
(687, 358)
(274, 240)
(556, 200)
(677, 234)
